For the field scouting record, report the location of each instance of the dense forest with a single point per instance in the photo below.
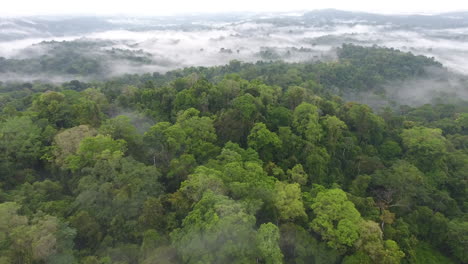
(77, 58)
(261, 162)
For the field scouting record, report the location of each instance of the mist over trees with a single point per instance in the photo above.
(243, 163)
(58, 49)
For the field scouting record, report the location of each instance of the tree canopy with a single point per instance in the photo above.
(243, 163)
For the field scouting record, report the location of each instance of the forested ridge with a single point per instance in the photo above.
(79, 58)
(244, 163)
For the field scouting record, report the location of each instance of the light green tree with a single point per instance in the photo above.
(334, 129)
(267, 240)
(426, 147)
(305, 121)
(336, 219)
(288, 201)
(298, 175)
(92, 149)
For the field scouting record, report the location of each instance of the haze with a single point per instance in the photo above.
(145, 7)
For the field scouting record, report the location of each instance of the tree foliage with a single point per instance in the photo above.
(243, 163)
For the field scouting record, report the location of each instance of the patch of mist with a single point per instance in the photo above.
(439, 83)
(420, 91)
(141, 122)
(43, 78)
(374, 100)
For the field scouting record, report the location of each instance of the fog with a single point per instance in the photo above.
(418, 91)
(163, 44)
(220, 42)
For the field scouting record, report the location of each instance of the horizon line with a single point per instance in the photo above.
(247, 12)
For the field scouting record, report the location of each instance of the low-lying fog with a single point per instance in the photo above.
(171, 43)
(214, 41)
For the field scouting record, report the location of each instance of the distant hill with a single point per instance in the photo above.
(455, 19)
(40, 27)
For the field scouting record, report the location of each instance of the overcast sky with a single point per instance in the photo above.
(169, 7)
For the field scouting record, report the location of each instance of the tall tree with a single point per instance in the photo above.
(336, 219)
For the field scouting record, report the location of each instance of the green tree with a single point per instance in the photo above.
(267, 240)
(390, 150)
(201, 136)
(462, 121)
(201, 181)
(426, 147)
(402, 185)
(113, 192)
(298, 175)
(263, 141)
(20, 146)
(299, 246)
(87, 112)
(294, 96)
(93, 148)
(457, 239)
(164, 141)
(67, 142)
(179, 169)
(334, 129)
(336, 219)
(89, 232)
(368, 126)
(43, 238)
(121, 127)
(371, 243)
(54, 107)
(278, 117)
(305, 121)
(218, 230)
(288, 201)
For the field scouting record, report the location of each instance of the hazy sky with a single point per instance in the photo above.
(168, 7)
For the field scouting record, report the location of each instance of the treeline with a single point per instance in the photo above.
(244, 163)
(80, 58)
